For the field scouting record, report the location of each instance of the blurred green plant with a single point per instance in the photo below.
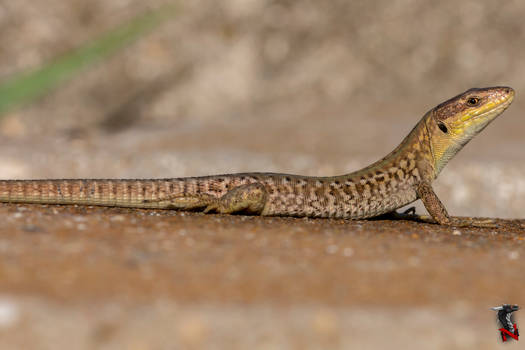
(25, 87)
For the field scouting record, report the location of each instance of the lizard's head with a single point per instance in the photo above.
(455, 122)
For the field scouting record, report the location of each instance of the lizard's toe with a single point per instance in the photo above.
(211, 207)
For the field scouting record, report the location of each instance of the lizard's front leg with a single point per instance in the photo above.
(439, 213)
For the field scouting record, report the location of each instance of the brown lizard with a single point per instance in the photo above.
(398, 179)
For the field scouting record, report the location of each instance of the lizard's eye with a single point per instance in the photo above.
(473, 101)
(442, 127)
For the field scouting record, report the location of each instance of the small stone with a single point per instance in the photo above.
(9, 313)
(514, 255)
(79, 219)
(332, 249)
(348, 252)
(118, 218)
(32, 228)
(456, 233)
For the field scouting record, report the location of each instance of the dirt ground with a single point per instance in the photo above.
(137, 279)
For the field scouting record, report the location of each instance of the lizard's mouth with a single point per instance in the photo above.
(500, 106)
(489, 111)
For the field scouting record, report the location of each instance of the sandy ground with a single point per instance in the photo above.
(305, 87)
(114, 278)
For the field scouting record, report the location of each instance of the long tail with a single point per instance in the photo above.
(105, 192)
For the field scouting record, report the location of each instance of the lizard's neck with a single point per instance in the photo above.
(413, 152)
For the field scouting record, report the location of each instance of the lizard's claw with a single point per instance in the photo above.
(210, 207)
(410, 211)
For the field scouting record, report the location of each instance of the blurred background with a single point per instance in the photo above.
(135, 89)
(131, 89)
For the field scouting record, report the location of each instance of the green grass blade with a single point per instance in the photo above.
(25, 87)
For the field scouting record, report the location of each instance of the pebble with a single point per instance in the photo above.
(118, 218)
(9, 313)
(32, 228)
(79, 219)
(348, 252)
(332, 249)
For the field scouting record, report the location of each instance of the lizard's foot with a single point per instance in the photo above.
(408, 214)
(409, 211)
(250, 198)
(185, 202)
(473, 222)
(455, 221)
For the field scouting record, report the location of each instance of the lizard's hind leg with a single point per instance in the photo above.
(189, 202)
(250, 198)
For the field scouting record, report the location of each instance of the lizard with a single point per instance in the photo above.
(400, 178)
